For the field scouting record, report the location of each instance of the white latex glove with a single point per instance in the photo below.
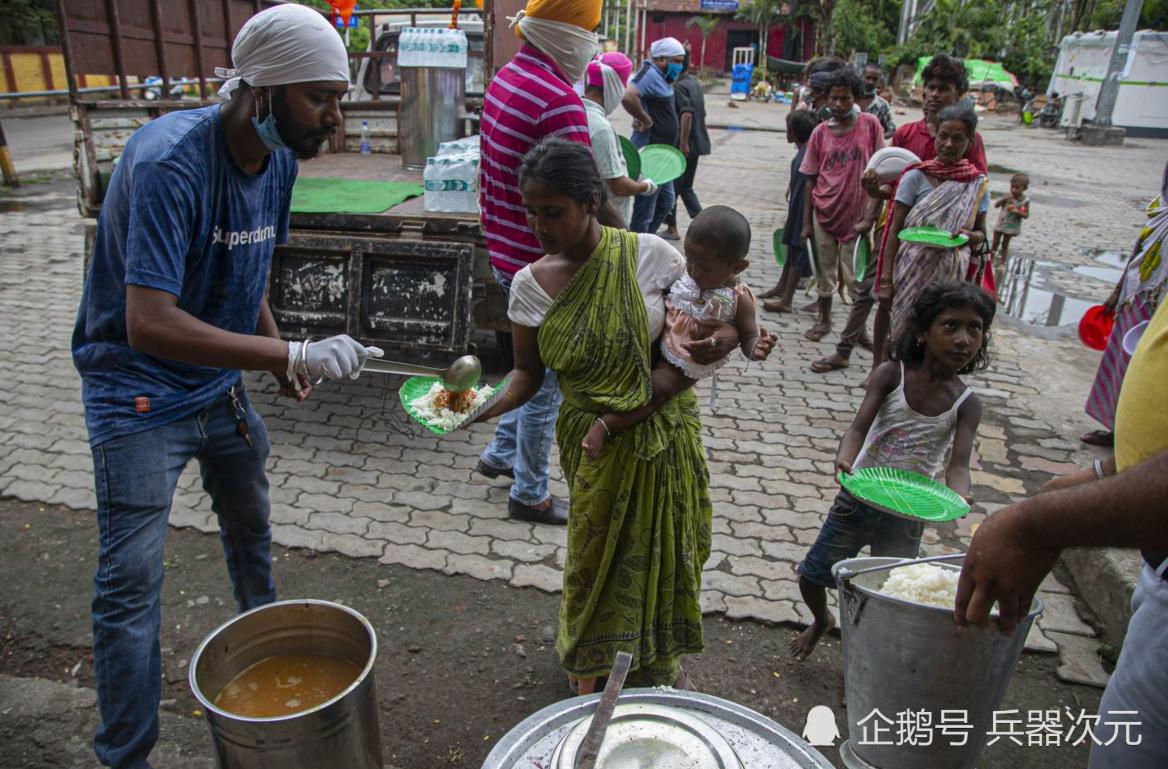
(652, 187)
(332, 358)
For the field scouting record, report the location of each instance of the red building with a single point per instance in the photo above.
(787, 39)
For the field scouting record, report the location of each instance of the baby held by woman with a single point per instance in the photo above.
(709, 292)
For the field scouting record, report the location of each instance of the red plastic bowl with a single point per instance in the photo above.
(1095, 327)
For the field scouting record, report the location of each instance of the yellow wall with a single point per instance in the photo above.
(28, 71)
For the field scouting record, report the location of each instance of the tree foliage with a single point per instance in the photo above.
(29, 22)
(857, 27)
(761, 13)
(706, 25)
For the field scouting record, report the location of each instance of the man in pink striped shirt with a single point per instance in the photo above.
(529, 99)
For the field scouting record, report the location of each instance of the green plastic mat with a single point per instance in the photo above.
(662, 163)
(861, 257)
(932, 236)
(905, 494)
(780, 247)
(632, 157)
(328, 195)
(417, 386)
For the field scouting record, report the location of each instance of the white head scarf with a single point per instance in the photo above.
(570, 47)
(283, 45)
(666, 46)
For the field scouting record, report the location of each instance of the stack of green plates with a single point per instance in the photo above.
(417, 386)
(861, 257)
(905, 494)
(932, 236)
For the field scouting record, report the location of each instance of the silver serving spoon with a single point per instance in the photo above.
(459, 376)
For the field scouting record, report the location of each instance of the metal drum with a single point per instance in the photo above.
(433, 109)
(656, 729)
(342, 732)
(903, 657)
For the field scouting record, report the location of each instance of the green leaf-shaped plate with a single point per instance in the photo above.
(932, 236)
(905, 494)
(780, 247)
(417, 386)
(632, 157)
(662, 163)
(861, 257)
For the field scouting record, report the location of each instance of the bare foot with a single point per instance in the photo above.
(585, 686)
(776, 306)
(802, 646)
(771, 293)
(813, 307)
(683, 682)
(594, 441)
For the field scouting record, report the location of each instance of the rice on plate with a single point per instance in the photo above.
(441, 417)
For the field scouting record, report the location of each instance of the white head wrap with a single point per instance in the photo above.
(570, 47)
(283, 45)
(614, 88)
(666, 46)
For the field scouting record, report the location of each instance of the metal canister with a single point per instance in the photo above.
(433, 110)
(341, 732)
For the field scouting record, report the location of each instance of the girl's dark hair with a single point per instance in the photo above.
(960, 114)
(846, 77)
(932, 302)
(949, 69)
(801, 123)
(565, 167)
(1023, 179)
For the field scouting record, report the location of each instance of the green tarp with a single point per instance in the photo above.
(325, 195)
(980, 72)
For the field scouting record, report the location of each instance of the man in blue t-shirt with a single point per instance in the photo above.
(650, 101)
(173, 308)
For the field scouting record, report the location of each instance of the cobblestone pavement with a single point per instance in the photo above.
(349, 476)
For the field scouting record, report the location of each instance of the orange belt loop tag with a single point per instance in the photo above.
(142, 404)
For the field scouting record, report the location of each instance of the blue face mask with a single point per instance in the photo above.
(267, 130)
(673, 71)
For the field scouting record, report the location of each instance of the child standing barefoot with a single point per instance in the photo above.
(716, 245)
(915, 409)
(1015, 208)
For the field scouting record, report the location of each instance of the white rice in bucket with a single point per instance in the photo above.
(923, 583)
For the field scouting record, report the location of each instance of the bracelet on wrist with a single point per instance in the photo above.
(1098, 465)
(605, 426)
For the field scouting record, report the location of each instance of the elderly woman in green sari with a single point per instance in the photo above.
(639, 514)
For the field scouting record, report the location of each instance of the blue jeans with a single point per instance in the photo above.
(649, 211)
(135, 477)
(523, 437)
(850, 525)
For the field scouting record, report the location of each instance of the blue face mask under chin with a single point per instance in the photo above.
(673, 71)
(267, 131)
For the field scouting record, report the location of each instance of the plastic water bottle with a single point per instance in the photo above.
(366, 148)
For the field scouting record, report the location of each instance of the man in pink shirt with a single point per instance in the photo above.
(835, 160)
(529, 99)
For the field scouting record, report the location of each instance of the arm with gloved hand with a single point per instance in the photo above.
(156, 325)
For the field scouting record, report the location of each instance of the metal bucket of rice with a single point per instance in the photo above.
(906, 661)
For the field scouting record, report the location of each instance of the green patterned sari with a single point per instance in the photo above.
(640, 515)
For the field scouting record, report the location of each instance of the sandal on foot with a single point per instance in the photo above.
(824, 365)
(817, 332)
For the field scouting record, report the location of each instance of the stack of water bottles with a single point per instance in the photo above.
(425, 47)
(452, 177)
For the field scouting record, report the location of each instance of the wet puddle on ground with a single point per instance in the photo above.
(1033, 291)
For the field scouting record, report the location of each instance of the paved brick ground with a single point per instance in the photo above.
(349, 475)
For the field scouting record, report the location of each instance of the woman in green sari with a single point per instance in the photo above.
(639, 515)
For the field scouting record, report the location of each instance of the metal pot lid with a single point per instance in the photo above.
(651, 736)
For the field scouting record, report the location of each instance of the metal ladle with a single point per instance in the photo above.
(459, 376)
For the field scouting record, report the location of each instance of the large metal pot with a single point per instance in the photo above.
(342, 732)
(904, 658)
(546, 738)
